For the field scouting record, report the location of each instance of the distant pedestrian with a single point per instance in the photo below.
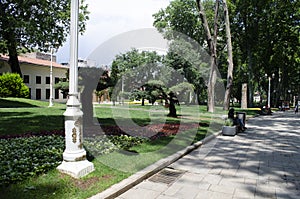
(236, 120)
(296, 108)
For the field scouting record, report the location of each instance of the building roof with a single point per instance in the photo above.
(39, 62)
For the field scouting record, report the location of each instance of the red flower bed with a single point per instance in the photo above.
(30, 134)
(152, 131)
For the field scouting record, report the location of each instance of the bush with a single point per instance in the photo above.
(126, 142)
(25, 157)
(106, 144)
(12, 85)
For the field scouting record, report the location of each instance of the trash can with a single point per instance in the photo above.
(241, 116)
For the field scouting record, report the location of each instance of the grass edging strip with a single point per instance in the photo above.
(126, 184)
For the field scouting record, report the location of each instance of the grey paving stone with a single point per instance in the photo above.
(152, 186)
(244, 192)
(190, 179)
(212, 195)
(172, 190)
(212, 179)
(265, 191)
(166, 197)
(140, 194)
(227, 189)
(187, 192)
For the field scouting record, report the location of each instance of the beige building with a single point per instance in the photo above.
(35, 68)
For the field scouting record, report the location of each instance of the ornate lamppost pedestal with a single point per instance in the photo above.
(74, 157)
(76, 169)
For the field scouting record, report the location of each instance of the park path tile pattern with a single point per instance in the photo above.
(263, 162)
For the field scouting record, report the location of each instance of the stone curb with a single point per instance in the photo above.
(126, 184)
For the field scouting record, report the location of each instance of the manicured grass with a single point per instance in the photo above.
(19, 116)
(55, 185)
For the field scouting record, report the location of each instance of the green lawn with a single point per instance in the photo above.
(18, 116)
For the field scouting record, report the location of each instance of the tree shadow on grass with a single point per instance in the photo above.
(6, 103)
(40, 191)
(17, 126)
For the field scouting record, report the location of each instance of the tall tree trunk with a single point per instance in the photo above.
(250, 76)
(212, 43)
(230, 59)
(9, 38)
(13, 60)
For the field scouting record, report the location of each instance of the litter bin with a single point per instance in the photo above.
(241, 116)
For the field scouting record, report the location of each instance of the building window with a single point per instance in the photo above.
(38, 94)
(26, 79)
(47, 80)
(56, 80)
(56, 95)
(29, 93)
(47, 93)
(38, 79)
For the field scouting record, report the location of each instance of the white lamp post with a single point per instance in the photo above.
(269, 90)
(51, 73)
(51, 79)
(269, 93)
(74, 157)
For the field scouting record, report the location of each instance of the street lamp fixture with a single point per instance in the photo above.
(74, 162)
(269, 89)
(52, 50)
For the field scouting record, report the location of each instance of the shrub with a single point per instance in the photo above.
(106, 144)
(126, 142)
(25, 157)
(228, 122)
(12, 85)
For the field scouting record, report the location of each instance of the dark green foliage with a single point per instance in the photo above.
(140, 73)
(152, 91)
(63, 86)
(266, 41)
(30, 156)
(25, 157)
(11, 85)
(26, 25)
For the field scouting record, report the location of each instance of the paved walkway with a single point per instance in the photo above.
(263, 162)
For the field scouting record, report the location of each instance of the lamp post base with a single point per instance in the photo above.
(76, 169)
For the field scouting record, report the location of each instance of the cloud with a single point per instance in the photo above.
(109, 18)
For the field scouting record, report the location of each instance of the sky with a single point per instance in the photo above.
(109, 18)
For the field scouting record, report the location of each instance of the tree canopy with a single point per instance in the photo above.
(265, 41)
(31, 24)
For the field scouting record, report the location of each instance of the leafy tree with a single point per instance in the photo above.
(185, 60)
(26, 25)
(11, 85)
(194, 19)
(266, 41)
(131, 71)
(153, 90)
